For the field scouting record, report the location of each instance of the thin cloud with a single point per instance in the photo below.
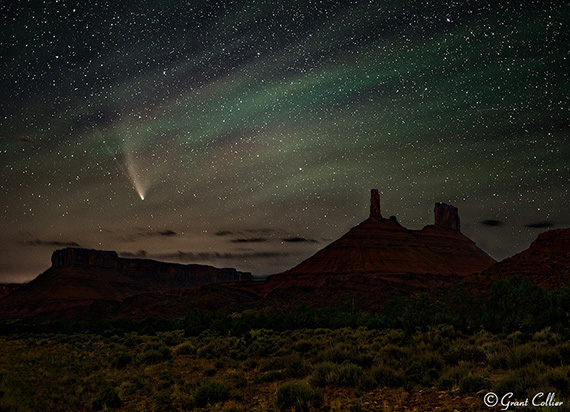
(56, 243)
(224, 233)
(492, 223)
(148, 233)
(249, 240)
(297, 239)
(540, 225)
(200, 256)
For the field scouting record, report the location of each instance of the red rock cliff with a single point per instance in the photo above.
(80, 277)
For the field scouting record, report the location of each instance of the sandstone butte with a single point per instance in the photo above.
(383, 250)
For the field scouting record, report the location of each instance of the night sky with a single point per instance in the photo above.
(248, 134)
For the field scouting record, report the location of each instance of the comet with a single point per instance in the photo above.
(134, 174)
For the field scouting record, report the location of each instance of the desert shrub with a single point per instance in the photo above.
(163, 401)
(261, 348)
(454, 376)
(210, 371)
(211, 392)
(298, 396)
(160, 354)
(131, 339)
(470, 353)
(432, 361)
(521, 382)
(233, 406)
(108, 398)
(321, 373)
(303, 346)
(391, 354)
(559, 379)
(339, 353)
(215, 349)
(237, 379)
(520, 356)
(295, 366)
(328, 373)
(272, 376)
(347, 374)
(424, 369)
(250, 364)
(343, 352)
(417, 372)
(564, 353)
(121, 360)
(171, 338)
(385, 375)
(185, 349)
(445, 382)
(367, 381)
(474, 383)
(272, 363)
(394, 336)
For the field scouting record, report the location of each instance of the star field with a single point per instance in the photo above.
(248, 133)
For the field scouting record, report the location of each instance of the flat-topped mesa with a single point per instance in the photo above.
(91, 259)
(84, 257)
(447, 217)
(375, 204)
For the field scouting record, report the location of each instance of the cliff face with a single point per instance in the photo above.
(80, 277)
(546, 262)
(382, 252)
(383, 246)
(447, 217)
(167, 273)
(7, 288)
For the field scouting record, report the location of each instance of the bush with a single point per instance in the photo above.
(272, 376)
(215, 349)
(327, 373)
(474, 383)
(211, 392)
(559, 379)
(298, 396)
(160, 354)
(385, 375)
(121, 360)
(520, 356)
(295, 367)
(108, 398)
(468, 353)
(185, 349)
(303, 346)
(445, 382)
(521, 382)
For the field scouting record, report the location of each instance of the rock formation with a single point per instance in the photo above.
(447, 217)
(380, 258)
(7, 288)
(375, 204)
(80, 277)
(546, 262)
(383, 246)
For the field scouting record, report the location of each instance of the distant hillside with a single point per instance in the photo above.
(81, 277)
(546, 262)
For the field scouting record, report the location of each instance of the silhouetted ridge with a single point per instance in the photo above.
(381, 246)
(546, 262)
(81, 277)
